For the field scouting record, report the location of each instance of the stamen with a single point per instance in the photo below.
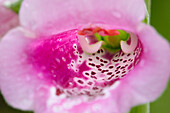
(129, 48)
(89, 48)
(112, 40)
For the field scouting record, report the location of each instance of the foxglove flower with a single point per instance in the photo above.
(82, 56)
(8, 19)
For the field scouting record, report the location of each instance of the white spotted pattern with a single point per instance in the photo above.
(102, 70)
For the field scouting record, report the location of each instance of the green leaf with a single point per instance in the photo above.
(145, 108)
(14, 6)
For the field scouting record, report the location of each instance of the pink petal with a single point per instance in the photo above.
(143, 84)
(16, 81)
(46, 18)
(8, 20)
(148, 79)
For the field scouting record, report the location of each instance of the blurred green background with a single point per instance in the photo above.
(160, 19)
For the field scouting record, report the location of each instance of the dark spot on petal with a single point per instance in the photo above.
(118, 72)
(91, 64)
(90, 59)
(98, 51)
(58, 92)
(128, 54)
(116, 76)
(102, 50)
(102, 64)
(118, 67)
(111, 77)
(87, 73)
(80, 81)
(122, 67)
(109, 73)
(103, 71)
(97, 58)
(94, 77)
(123, 75)
(101, 60)
(99, 69)
(105, 62)
(123, 72)
(98, 66)
(95, 88)
(111, 67)
(89, 83)
(124, 61)
(93, 73)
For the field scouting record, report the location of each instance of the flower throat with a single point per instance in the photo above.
(75, 70)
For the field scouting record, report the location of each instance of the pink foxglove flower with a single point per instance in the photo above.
(8, 19)
(82, 56)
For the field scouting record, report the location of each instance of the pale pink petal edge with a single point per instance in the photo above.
(17, 80)
(47, 18)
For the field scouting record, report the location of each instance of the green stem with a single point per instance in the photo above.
(148, 12)
(145, 108)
